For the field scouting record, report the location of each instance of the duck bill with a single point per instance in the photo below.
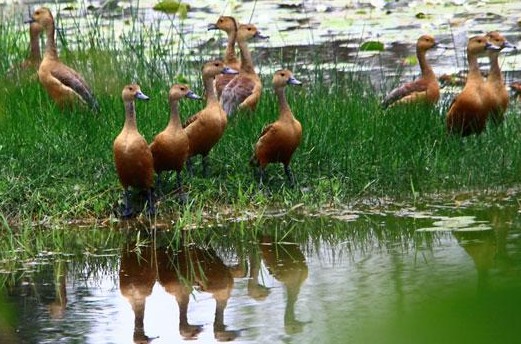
(491, 47)
(192, 95)
(142, 96)
(259, 35)
(293, 81)
(212, 27)
(228, 70)
(508, 45)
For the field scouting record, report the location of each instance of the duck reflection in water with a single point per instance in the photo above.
(287, 264)
(137, 276)
(200, 268)
(179, 272)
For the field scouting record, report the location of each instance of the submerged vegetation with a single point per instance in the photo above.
(58, 166)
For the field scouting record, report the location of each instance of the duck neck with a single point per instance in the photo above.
(230, 56)
(175, 121)
(474, 72)
(209, 89)
(130, 116)
(50, 44)
(284, 110)
(34, 48)
(246, 61)
(494, 74)
(425, 67)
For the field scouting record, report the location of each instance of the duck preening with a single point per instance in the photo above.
(425, 88)
(205, 128)
(243, 91)
(495, 83)
(280, 139)
(132, 155)
(229, 25)
(63, 84)
(170, 147)
(469, 111)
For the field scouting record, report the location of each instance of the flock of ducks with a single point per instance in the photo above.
(229, 85)
(232, 85)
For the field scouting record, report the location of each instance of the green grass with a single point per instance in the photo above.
(58, 166)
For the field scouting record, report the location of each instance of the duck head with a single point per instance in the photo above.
(179, 91)
(225, 23)
(43, 17)
(479, 45)
(497, 39)
(215, 67)
(132, 92)
(284, 77)
(248, 31)
(426, 42)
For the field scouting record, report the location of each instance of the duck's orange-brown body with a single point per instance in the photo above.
(468, 113)
(63, 84)
(495, 84)
(132, 155)
(426, 88)
(33, 60)
(170, 147)
(243, 91)
(229, 25)
(279, 140)
(206, 128)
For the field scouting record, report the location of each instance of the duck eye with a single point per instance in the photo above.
(282, 74)
(249, 29)
(216, 64)
(182, 89)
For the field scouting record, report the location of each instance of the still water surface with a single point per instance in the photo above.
(433, 274)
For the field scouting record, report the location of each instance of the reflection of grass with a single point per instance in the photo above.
(60, 164)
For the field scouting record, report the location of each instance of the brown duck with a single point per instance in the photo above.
(170, 147)
(132, 156)
(281, 138)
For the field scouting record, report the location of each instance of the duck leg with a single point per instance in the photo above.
(205, 166)
(159, 184)
(151, 210)
(290, 175)
(127, 211)
(179, 181)
(262, 175)
(190, 167)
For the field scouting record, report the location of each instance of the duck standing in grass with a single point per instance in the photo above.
(229, 25)
(495, 83)
(280, 139)
(205, 128)
(64, 85)
(243, 91)
(33, 60)
(426, 88)
(132, 155)
(469, 111)
(170, 147)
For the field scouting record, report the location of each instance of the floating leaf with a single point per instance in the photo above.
(172, 7)
(372, 46)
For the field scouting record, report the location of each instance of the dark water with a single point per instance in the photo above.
(436, 274)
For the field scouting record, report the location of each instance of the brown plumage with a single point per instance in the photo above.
(170, 147)
(425, 88)
(279, 139)
(205, 128)
(244, 91)
(468, 113)
(495, 84)
(229, 25)
(64, 85)
(32, 61)
(132, 156)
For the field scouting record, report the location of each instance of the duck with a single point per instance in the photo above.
(132, 155)
(426, 88)
(244, 90)
(227, 24)
(63, 84)
(468, 112)
(170, 147)
(205, 128)
(495, 83)
(280, 139)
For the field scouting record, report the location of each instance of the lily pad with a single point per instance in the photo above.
(372, 46)
(172, 7)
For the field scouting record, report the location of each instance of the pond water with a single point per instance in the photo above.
(448, 272)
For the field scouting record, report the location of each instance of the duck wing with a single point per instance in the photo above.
(72, 79)
(236, 92)
(405, 90)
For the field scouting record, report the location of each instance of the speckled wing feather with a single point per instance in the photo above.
(403, 91)
(73, 80)
(190, 120)
(266, 128)
(235, 92)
